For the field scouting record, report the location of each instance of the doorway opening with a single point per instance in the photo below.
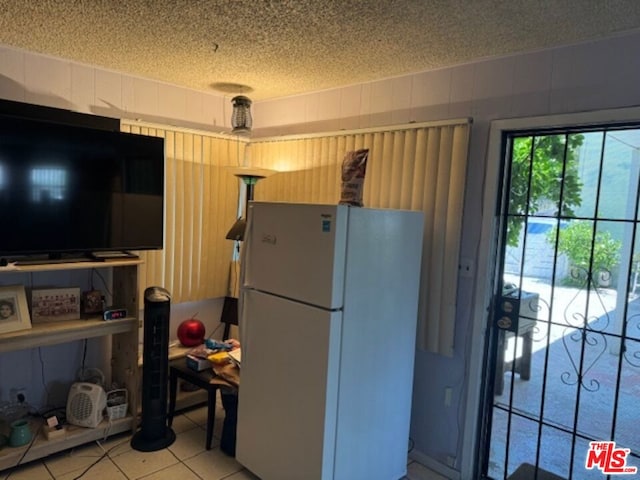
(564, 329)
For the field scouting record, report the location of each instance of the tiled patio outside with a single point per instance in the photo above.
(589, 404)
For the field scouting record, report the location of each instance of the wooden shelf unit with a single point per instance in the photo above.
(44, 334)
(124, 355)
(73, 436)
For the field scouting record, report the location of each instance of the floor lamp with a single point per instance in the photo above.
(250, 176)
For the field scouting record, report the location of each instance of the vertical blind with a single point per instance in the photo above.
(201, 200)
(417, 167)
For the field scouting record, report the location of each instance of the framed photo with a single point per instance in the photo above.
(14, 313)
(91, 302)
(55, 304)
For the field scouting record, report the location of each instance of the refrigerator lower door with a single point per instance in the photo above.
(287, 404)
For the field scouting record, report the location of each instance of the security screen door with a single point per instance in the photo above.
(564, 351)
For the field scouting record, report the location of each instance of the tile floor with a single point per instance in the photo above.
(185, 459)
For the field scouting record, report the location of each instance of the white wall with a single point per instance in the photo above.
(43, 80)
(599, 75)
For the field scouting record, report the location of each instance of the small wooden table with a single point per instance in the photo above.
(210, 382)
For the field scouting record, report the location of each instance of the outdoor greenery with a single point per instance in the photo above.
(539, 166)
(574, 242)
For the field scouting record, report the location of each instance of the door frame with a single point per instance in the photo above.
(477, 407)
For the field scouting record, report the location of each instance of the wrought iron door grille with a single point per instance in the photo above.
(564, 359)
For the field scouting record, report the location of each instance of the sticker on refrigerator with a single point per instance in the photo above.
(326, 225)
(268, 238)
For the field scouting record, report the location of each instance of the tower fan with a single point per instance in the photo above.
(154, 434)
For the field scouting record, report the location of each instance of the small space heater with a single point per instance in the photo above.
(86, 404)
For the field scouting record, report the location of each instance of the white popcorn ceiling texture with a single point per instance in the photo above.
(272, 49)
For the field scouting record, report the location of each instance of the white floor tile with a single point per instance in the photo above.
(104, 469)
(189, 444)
(117, 445)
(178, 471)
(73, 459)
(242, 475)
(198, 416)
(213, 465)
(31, 471)
(182, 423)
(137, 464)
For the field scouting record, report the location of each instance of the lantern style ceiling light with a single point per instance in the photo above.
(241, 121)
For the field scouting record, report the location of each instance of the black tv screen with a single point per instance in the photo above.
(73, 189)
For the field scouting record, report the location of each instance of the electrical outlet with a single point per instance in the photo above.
(448, 391)
(18, 394)
(466, 267)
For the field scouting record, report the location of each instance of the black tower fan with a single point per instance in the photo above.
(154, 434)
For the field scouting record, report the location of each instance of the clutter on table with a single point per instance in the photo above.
(213, 352)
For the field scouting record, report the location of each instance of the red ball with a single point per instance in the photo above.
(191, 332)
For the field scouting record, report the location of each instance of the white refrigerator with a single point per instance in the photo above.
(327, 322)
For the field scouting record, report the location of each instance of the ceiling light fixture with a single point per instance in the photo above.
(232, 88)
(241, 121)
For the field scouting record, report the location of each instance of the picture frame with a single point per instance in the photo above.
(91, 302)
(55, 304)
(14, 311)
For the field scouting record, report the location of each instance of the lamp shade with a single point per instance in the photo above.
(241, 121)
(250, 177)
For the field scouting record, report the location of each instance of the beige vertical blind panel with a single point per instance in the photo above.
(418, 167)
(201, 199)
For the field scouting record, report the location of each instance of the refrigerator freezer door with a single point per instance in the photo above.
(288, 389)
(297, 251)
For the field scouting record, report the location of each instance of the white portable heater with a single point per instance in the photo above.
(86, 404)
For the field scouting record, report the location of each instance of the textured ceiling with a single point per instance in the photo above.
(281, 48)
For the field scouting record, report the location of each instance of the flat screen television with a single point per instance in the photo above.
(69, 189)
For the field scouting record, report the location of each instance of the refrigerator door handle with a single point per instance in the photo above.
(245, 257)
